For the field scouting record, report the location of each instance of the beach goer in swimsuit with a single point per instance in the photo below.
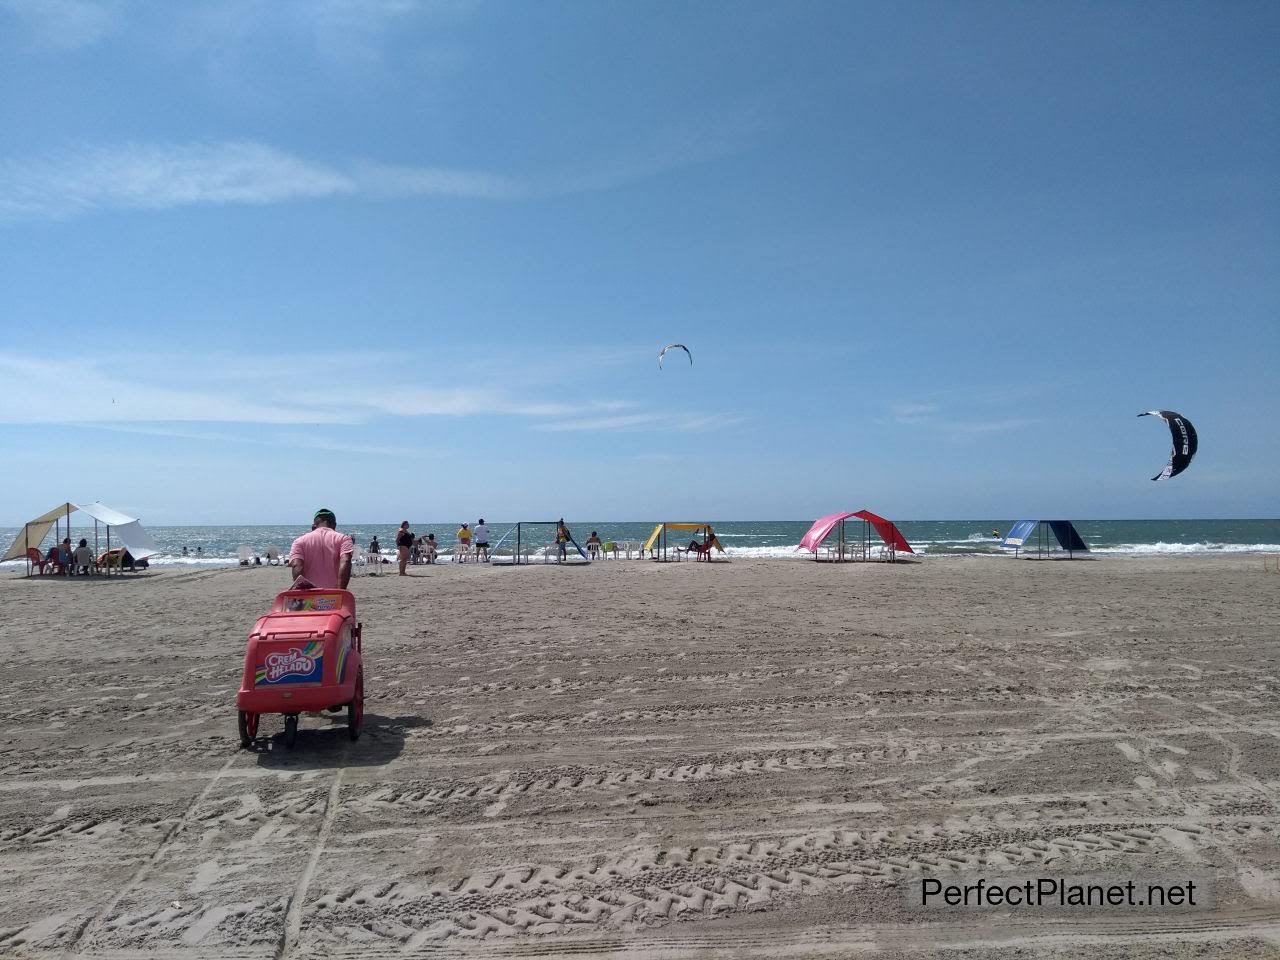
(323, 556)
(429, 548)
(482, 541)
(464, 544)
(404, 540)
(593, 546)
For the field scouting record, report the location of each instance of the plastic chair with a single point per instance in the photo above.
(37, 559)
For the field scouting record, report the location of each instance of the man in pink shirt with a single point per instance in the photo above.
(323, 556)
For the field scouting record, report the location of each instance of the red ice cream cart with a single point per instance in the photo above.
(303, 657)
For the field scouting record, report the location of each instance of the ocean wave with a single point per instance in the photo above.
(1138, 549)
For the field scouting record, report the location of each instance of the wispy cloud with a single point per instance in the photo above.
(144, 400)
(680, 422)
(89, 391)
(149, 176)
(291, 439)
(156, 178)
(338, 29)
(990, 426)
(913, 412)
(935, 416)
(64, 24)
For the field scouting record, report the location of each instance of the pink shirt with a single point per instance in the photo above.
(321, 551)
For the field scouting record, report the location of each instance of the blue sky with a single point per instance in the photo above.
(417, 258)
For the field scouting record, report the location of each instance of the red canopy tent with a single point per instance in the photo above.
(893, 539)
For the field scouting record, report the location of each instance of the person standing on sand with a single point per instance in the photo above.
(321, 559)
(404, 540)
(563, 536)
(482, 540)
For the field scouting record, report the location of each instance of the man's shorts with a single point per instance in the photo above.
(483, 546)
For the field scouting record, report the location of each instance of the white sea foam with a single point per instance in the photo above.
(971, 546)
(1138, 549)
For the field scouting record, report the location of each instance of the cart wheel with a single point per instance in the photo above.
(248, 723)
(355, 709)
(290, 730)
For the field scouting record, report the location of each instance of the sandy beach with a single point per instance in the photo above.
(748, 759)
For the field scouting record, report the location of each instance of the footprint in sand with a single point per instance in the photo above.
(1129, 751)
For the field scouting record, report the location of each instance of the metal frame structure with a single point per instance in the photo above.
(661, 546)
(841, 541)
(1045, 538)
(518, 556)
(57, 538)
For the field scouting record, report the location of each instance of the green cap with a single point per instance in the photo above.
(324, 513)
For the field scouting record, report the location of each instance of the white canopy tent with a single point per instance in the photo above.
(125, 530)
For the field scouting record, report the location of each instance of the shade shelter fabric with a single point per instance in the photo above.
(126, 530)
(658, 543)
(34, 531)
(1064, 531)
(822, 527)
(672, 525)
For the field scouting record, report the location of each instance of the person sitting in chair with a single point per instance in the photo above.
(593, 546)
(702, 550)
(83, 557)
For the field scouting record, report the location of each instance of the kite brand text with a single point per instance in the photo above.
(1061, 892)
(1186, 441)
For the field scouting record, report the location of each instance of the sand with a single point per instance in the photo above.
(750, 759)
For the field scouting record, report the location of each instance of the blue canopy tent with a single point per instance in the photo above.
(1022, 533)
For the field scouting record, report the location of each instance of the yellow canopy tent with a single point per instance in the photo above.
(658, 539)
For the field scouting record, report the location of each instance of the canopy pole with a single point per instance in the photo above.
(109, 549)
(95, 541)
(26, 540)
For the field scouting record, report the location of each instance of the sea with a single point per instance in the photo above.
(775, 539)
